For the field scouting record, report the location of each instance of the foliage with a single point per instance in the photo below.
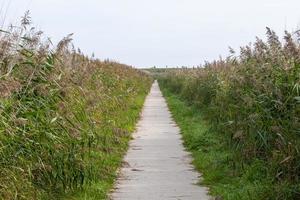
(253, 102)
(65, 118)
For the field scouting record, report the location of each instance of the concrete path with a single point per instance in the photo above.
(156, 166)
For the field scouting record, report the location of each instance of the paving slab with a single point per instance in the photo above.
(157, 167)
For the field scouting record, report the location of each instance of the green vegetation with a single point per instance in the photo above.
(250, 147)
(65, 118)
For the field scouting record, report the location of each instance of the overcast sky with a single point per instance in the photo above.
(157, 32)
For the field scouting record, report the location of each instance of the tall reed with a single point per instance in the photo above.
(253, 100)
(65, 118)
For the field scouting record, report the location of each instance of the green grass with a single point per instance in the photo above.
(214, 159)
(100, 188)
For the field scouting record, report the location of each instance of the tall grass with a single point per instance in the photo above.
(65, 118)
(253, 101)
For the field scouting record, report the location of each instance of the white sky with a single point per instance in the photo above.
(157, 32)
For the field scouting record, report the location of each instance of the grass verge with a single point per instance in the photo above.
(214, 159)
(100, 188)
